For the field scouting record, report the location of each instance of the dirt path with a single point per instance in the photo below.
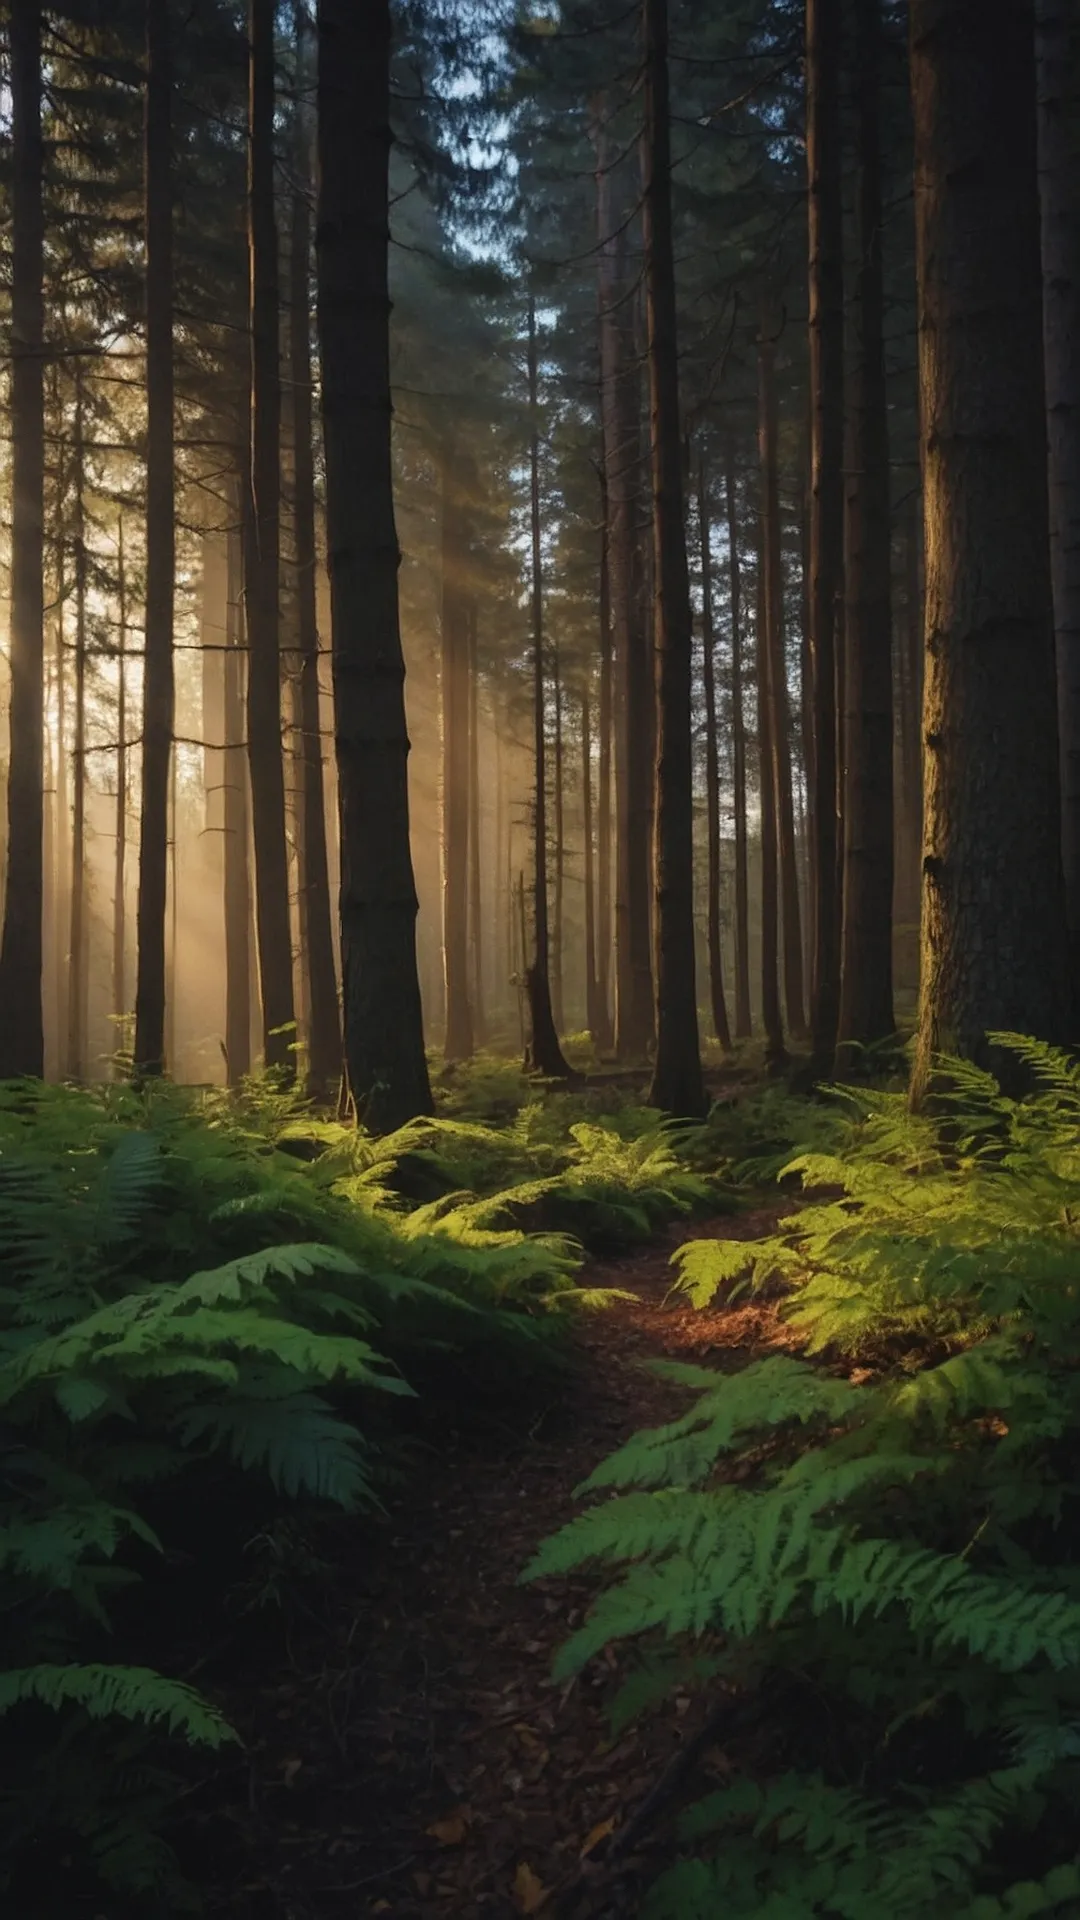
(417, 1760)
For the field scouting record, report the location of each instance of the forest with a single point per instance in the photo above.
(540, 959)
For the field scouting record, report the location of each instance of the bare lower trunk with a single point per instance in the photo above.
(119, 981)
(743, 1023)
(712, 771)
(22, 1037)
(384, 1033)
(995, 947)
(558, 903)
(76, 982)
(595, 1010)
(476, 927)
(604, 1035)
(779, 718)
(158, 693)
(775, 1050)
(237, 828)
(454, 682)
(677, 1085)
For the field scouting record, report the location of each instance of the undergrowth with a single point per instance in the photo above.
(885, 1554)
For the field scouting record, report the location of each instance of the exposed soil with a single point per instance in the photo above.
(412, 1756)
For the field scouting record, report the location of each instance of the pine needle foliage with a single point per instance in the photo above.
(894, 1544)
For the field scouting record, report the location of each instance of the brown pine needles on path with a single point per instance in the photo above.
(414, 1757)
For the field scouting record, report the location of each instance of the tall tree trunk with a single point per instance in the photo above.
(909, 715)
(560, 849)
(994, 941)
(476, 929)
(825, 217)
(384, 1032)
(237, 825)
(635, 691)
(454, 624)
(316, 930)
(603, 1035)
(677, 1085)
(261, 564)
(119, 980)
(712, 769)
(779, 718)
(61, 872)
(76, 982)
(1058, 74)
(543, 1054)
(158, 689)
(866, 993)
(775, 1050)
(806, 723)
(22, 1035)
(743, 1022)
(172, 950)
(595, 1010)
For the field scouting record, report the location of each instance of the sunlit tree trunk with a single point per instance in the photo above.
(712, 769)
(61, 872)
(543, 1054)
(595, 1010)
(454, 680)
(743, 1024)
(779, 719)
(909, 714)
(560, 849)
(237, 825)
(677, 1085)
(76, 981)
(316, 935)
(22, 1037)
(384, 1034)
(994, 938)
(775, 1050)
(119, 980)
(825, 215)
(172, 949)
(476, 927)
(261, 562)
(603, 1033)
(866, 996)
(158, 693)
(1058, 55)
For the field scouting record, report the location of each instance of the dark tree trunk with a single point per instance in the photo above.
(261, 565)
(634, 692)
(595, 1010)
(119, 984)
(909, 718)
(604, 1035)
(560, 850)
(1058, 57)
(543, 1054)
(743, 1022)
(995, 948)
(316, 934)
(775, 1050)
(476, 929)
(454, 624)
(825, 215)
(237, 825)
(779, 718)
(806, 721)
(76, 981)
(712, 770)
(158, 694)
(22, 1037)
(866, 993)
(384, 1031)
(677, 1085)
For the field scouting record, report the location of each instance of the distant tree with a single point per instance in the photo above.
(384, 1034)
(712, 770)
(454, 705)
(994, 944)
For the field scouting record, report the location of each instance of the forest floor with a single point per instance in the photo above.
(411, 1755)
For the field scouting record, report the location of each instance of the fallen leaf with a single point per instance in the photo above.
(529, 1893)
(451, 1831)
(596, 1834)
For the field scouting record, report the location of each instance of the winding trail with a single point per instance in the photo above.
(416, 1759)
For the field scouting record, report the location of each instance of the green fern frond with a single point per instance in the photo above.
(131, 1693)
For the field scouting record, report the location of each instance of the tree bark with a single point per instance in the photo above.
(76, 980)
(743, 1021)
(866, 992)
(559, 849)
(237, 824)
(158, 689)
(994, 942)
(595, 1009)
(1058, 75)
(603, 1036)
(384, 1033)
(543, 1054)
(677, 1085)
(825, 227)
(779, 716)
(454, 627)
(316, 932)
(772, 1018)
(119, 981)
(261, 565)
(712, 770)
(476, 928)
(634, 691)
(22, 1035)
